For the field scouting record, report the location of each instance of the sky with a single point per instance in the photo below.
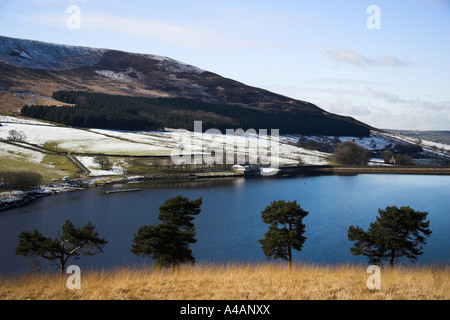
(385, 63)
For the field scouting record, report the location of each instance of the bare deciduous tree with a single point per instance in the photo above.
(17, 136)
(103, 161)
(350, 153)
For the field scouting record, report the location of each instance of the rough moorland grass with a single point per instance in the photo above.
(235, 282)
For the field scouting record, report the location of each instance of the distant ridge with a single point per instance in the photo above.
(31, 71)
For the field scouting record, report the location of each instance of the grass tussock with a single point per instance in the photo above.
(235, 282)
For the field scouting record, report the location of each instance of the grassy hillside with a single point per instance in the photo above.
(236, 282)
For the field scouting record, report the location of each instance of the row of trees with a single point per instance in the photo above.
(397, 232)
(20, 179)
(350, 153)
(97, 110)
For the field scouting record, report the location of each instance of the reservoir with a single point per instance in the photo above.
(230, 224)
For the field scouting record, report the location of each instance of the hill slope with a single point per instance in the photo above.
(30, 71)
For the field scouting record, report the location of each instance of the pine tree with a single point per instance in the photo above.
(397, 232)
(285, 230)
(73, 242)
(168, 242)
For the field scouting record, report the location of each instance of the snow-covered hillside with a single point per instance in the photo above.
(123, 145)
(50, 56)
(379, 141)
(88, 143)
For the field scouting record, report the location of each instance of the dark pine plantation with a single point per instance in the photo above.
(103, 111)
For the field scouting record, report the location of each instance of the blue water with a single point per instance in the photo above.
(230, 224)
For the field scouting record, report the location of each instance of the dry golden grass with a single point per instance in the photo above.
(235, 282)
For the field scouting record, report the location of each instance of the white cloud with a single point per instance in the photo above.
(385, 119)
(427, 105)
(371, 104)
(408, 103)
(346, 108)
(166, 32)
(384, 95)
(352, 57)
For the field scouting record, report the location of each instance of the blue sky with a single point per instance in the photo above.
(320, 51)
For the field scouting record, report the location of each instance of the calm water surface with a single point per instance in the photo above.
(230, 224)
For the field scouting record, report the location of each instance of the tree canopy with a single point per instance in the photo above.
(73, 242)
(397, 232)
(350, 153)
(168, 242)
(98, 110)
(286, 229)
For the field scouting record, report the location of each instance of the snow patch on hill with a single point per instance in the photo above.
(50, 56)
(95, 169)
(16, 152)
(9, 119)
(44, 55)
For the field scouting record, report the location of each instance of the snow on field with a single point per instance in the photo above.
(95, 168)
(437, 145)
(196, 143)
(430, 147)
(374, 142)
(40, 135)
(153, 138)
(15, 152)
(253, 146)
(113, 142)
(397, 137)
(104, 145)
(423, 143)
(6, 119)
(80, 141)
(378, 141)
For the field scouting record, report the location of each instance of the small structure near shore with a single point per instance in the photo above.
(245, 169)
(122, 190)
(269, 171)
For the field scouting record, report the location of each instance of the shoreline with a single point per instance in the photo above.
(442, 170)
(24, 198)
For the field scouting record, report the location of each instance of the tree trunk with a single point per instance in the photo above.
(289, 256)
(391, 261)
(174, 247)
(62, 265)
(289, 248)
